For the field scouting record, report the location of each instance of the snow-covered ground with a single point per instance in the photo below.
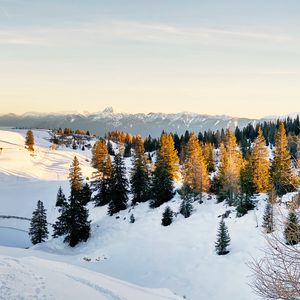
(179, 257)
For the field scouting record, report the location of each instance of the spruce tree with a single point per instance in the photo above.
(292, 229)
(186, 207)
(140, 181)
(195, 168)
(243, 203)
(60, 198)
(208, 152)
(76, 215)
(38, 231)
(247, 185)
(29, 140)
(86, 194)
(282, 172)
(261, 164)
(167, 217)
(118, 186)
(101, 182)
(268, 218)
(223, 239)
(166, 170)
(230, 167)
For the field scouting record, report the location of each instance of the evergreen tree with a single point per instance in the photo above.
(208, 152)
(223, 239)
(246, 178)
(268, 218)
(167, 217)
(243, 203)
(292, 229)
(230, 167)
(261, 164)
(110, 148)
(127, 150)
(86, 194)
(282, 172)
(29, 140)
(60, 226)
(140, 181)
(60, 198)
(166, 170)
(118, 187)
(75, 217)
(195, 168)
(186, 207)
(38, 231)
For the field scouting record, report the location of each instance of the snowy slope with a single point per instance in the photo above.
(179, 257)
(28, 277)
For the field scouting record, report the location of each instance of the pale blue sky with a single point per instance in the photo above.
(239, 58)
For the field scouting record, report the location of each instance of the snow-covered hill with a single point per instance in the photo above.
(33, 274)
(25, 276)
(179, 257)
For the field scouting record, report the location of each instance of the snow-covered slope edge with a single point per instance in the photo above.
(24, 276)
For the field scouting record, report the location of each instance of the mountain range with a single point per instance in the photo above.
(140, 123)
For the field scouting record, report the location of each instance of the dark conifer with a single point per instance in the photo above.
(38, 231)
(60, 198)
(140, 181)
(292, 229)
(167, 217)
(118, 187)
(223, 239)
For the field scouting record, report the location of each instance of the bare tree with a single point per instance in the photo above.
(277, 274)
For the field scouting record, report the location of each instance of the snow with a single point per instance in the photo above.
(179, 257)
(39, 278)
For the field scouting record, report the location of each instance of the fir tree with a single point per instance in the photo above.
(261, 164)
(208, 152)
(167, 217)
(118, 187)
(195, 168)
(166, 170)
(75, 216)
(186, 207)
(246, 178)
(292, 229)
(127, 150)
(243, 203)
(223, 239)
(60, 198)
(29, 140)
(110, 148)
(38, 231)
(282, 172)
(140, 181)
(60, 226)
(268, 218)
(230, 167)
(86, 194)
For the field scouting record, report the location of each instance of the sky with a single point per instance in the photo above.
(233, 57)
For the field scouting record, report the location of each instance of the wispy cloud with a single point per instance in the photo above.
(138, 32)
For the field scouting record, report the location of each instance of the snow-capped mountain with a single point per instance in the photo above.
(140, 123)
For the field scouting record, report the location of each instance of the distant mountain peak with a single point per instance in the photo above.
(108, 110)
